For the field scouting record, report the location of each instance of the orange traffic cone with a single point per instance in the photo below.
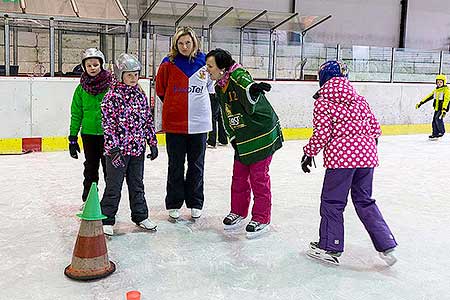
(90, 256)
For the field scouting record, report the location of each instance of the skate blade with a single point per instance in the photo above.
(253, 235)
(319, 255)
(234, 226)
(142, 228)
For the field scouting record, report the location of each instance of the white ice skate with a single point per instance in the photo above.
(108, 230)
(323, 255)
(255, 229)
(82, 207)
(232, 221)
(196, 213)
(174, 213)
(148, 224)
(388, 257)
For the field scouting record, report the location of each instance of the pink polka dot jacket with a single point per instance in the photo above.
(344, 126)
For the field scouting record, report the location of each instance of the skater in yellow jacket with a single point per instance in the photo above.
(441, 97)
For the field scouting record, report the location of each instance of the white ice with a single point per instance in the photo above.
(40, 195)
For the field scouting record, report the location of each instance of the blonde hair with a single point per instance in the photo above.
(182, 31)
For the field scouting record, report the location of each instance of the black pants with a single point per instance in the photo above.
(438, 124)
(134, 174)
(190, 189)
(217, 124)
(93, 152)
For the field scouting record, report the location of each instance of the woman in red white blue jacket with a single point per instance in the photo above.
(347, 130)
(183, 85)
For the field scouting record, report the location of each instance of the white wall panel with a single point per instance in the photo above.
(15, 120)
(51, 102)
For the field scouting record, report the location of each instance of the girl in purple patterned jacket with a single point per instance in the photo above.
(347, 130)
(128, 126)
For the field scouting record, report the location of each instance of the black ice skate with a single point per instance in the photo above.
(323, 255)
(232, 221)
(435, 137)
(255, 229)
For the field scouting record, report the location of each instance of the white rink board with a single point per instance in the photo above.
(52, 98)
(48, 114)
(15, 118)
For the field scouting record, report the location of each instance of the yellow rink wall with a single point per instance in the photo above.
(46, 144)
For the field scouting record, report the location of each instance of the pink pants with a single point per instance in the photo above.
(254, 177)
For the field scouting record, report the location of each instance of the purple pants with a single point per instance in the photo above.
(248, 178)
(336, 185)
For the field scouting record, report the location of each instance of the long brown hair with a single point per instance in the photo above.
(182, 31)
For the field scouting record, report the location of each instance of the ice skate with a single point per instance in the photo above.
(232, 221)
(434, 137)
(82, 207)
(323, 255)
(148, 224)
(255, 229)
(108, 230)
(196, 213)
(388, 257)
(174, 213)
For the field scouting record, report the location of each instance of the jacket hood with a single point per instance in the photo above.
(339, 90)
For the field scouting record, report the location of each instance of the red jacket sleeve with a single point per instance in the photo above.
(162, 78)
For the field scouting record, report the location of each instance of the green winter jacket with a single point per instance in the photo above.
(251, 123)
(86, 112)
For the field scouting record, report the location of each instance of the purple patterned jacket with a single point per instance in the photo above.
(127, 120)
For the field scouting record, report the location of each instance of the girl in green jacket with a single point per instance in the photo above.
(255, 133)
(86, 116)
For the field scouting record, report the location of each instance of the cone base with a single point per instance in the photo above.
(73, 275)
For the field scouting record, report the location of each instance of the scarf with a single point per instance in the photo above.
(222, 82)
(97, 84)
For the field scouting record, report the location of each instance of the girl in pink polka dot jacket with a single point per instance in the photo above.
(347, 130)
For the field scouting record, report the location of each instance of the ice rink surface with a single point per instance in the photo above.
(40, 194)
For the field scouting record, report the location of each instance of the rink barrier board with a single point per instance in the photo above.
(49, 144)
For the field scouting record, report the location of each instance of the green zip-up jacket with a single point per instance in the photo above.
(251, 123)
(441, 97)
(86, 112)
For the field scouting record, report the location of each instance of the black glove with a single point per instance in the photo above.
(73, 146)
(376, 141)
(306, 161)
(258, 88)
(153, 152)
(233, 144)
(116, 158)
(316, 95)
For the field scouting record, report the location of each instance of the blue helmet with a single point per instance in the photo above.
(330, 69)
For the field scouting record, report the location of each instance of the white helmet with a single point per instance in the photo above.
(93, 53)
(126, 63)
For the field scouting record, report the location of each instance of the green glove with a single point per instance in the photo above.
(418, 105)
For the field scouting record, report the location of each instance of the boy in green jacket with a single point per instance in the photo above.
(86, 116)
